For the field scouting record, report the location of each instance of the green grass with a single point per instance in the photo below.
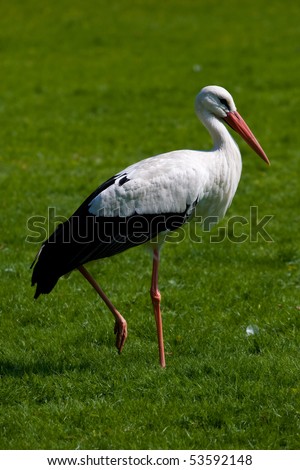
(87, 88)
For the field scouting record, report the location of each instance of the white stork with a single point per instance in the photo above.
(147, 200)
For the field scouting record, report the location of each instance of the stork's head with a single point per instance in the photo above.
(215, 101)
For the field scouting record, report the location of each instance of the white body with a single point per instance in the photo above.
(172, 181)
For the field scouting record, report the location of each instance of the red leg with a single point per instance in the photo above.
(121, 324)
(155, 296)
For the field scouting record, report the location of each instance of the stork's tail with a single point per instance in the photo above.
(45, 274)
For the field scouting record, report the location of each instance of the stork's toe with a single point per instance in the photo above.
(120, 331)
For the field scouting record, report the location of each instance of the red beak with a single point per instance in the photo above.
(237, 123)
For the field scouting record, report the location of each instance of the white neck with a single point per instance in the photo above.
(227, 149)
(220, 135)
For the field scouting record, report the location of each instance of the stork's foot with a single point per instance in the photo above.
(121, 333)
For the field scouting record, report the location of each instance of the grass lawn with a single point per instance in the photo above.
(87, 88)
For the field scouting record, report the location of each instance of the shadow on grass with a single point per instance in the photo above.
(49, 366)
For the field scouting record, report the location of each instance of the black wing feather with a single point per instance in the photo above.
(85, 237)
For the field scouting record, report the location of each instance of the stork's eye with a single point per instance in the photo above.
(224, 102)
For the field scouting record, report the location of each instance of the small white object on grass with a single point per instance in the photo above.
(252, 330)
